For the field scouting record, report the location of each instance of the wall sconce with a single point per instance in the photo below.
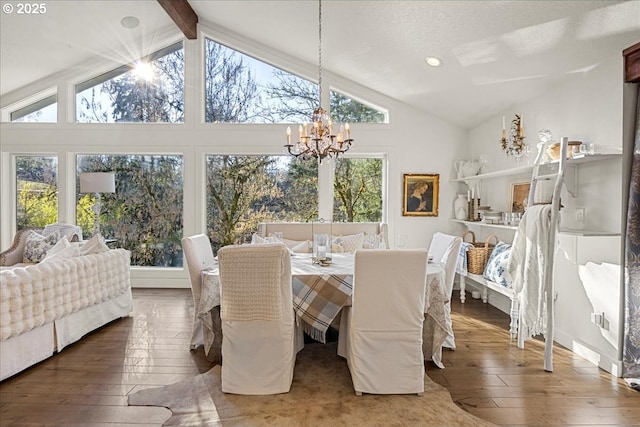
(514, 145)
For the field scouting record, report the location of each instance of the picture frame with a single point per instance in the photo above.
(518, 196)
(418, 200)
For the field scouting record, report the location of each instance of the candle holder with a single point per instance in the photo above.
(514, 145)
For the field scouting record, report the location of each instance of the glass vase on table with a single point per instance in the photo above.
(321, 252)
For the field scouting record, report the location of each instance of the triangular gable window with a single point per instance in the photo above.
(42, 111)
(242, 89)
(149, 90)
(347, 110)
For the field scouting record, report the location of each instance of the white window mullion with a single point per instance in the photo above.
(325, 190)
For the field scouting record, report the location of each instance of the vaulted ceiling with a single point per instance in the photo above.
(495, 53)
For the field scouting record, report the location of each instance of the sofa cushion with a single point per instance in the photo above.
(62, 250)
(94, 245)
(36, 245)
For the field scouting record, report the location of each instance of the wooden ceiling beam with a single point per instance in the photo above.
(183, 15)
(632, 64)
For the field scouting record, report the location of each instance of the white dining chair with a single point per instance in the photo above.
(260, 335)
(199, 256)
(381, 333)
(445, 250)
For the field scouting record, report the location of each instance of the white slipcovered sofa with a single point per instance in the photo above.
(49, 305)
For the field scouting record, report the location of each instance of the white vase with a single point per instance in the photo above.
(460, 207)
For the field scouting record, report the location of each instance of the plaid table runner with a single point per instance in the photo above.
(317, 300)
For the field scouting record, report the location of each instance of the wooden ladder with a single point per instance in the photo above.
(553, 171)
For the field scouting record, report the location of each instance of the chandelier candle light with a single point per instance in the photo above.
(514, 145)
(318, 140)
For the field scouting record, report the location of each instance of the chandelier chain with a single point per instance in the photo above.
(319, 140)
(320, 53)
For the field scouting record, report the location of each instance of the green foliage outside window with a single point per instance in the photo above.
(36, 191)
(243, 191)
(145, 212)
(357, 190)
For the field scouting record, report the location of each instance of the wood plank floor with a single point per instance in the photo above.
(87, 383)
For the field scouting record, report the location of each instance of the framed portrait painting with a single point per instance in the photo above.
(420, 194)
(519, 196)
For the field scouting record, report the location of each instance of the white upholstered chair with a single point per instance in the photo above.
(260, 338)
(199, 256)
(445, 249)
(381, 333)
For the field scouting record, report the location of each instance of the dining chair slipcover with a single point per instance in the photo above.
(381, 333)
(445, 249)
(199, 256)
(260, 335)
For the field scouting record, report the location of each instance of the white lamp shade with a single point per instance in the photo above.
(98, 182)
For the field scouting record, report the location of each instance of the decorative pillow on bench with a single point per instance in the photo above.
(347, 244)
(496, 268)
(297, 246)
(36, 245)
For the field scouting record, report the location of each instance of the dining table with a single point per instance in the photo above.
(319, 294)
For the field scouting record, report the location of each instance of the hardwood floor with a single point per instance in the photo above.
(87, 383)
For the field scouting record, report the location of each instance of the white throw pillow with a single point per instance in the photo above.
(94, 245)
(349, 244)
(62, 250)
(36, 246)
(256, 238)
(298, 246)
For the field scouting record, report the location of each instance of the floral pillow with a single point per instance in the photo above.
(496, 268)
(36, 246)
(374, 241)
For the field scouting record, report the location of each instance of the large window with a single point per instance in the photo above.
(145, 213)
(243, 191)
(149, 90)
(357, 189)
(36, 191)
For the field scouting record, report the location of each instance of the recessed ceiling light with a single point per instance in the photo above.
(433, 61)
(130, 22)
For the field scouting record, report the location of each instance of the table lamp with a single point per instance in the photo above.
(98, 183)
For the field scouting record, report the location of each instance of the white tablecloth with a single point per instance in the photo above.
(341, 270)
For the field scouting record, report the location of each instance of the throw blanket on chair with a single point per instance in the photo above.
(527, 265)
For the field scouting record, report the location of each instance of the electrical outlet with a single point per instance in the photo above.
(580, 215)
(598, 319)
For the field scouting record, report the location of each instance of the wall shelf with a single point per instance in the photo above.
(527, 169)
(581, 233)
(484, 224)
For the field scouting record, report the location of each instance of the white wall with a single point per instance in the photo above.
(589, 108)
(413, 142)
